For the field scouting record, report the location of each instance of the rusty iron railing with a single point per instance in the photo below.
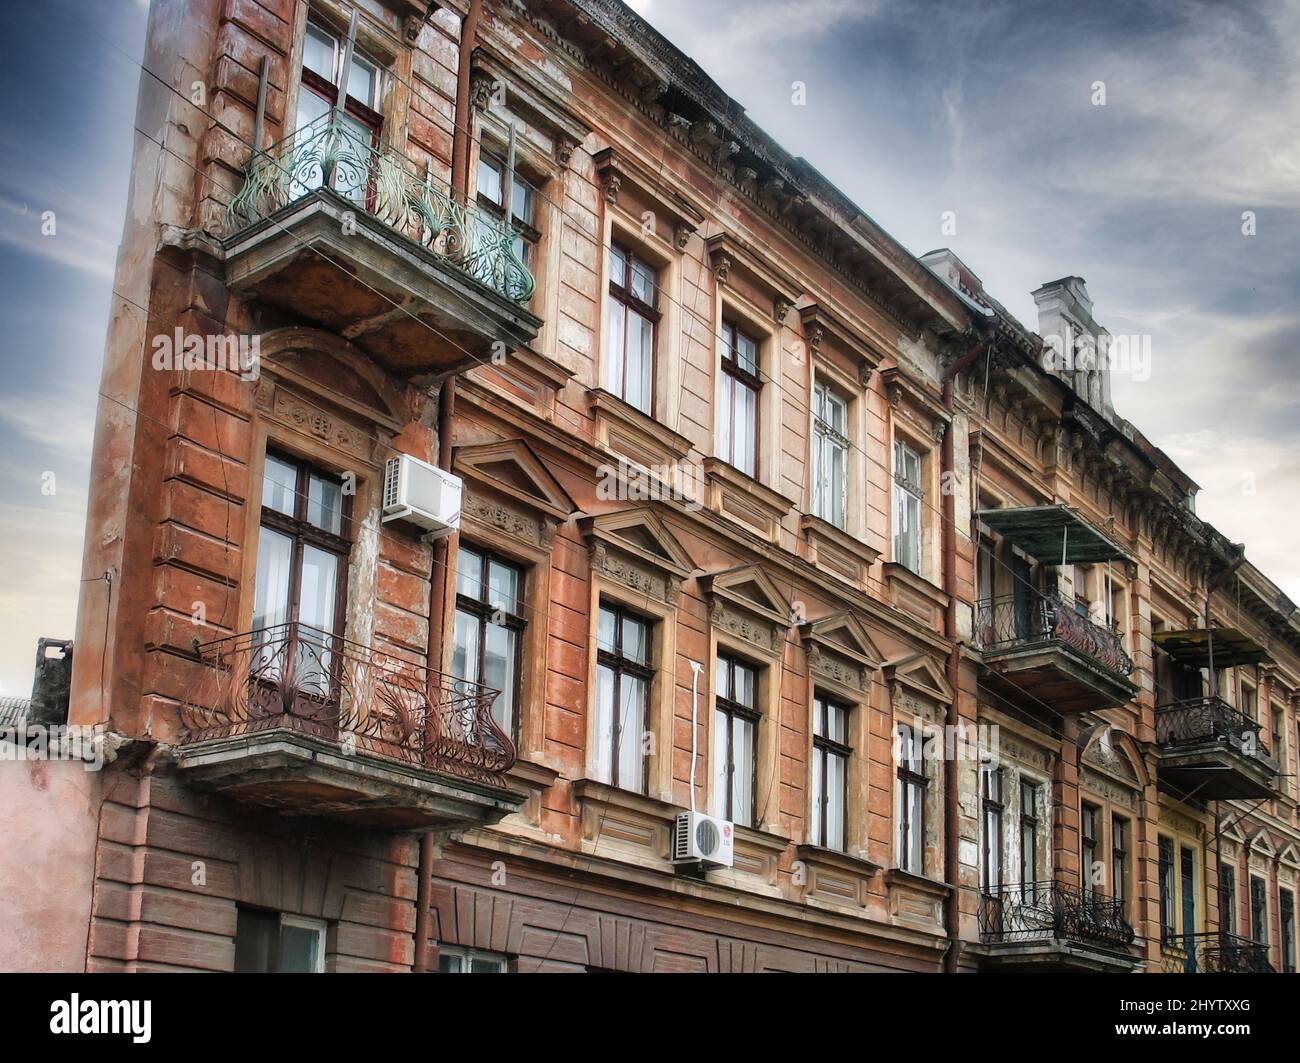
(1014, 621)
(1044, 911)
(1213, 953)
(292, 676)
(1211, 718)
(331, 153)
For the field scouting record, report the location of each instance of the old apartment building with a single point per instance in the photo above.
(760, 517)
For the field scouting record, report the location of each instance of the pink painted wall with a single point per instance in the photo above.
(48, 812)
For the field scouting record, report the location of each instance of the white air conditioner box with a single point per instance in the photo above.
(701, 839)
(416, 491)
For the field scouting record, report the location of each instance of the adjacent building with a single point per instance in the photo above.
(746, 511)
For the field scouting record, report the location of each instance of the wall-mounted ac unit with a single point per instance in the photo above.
(419, 492)
(701, 839)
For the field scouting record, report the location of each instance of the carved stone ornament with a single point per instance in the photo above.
(305, 417)
(721, 267)
(564, 149)
(830, 665)
(780, 307)
(682, 235)
(761, 633)
(505, 518)
(612, 184)
(617, 566)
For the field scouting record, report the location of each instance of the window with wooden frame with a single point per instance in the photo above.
(1168, 892)
(991, 835)
(909, 505)
(830, 455)
(632, 320)
(624, 675)
(489, 628)
(491, 194)
(1029, 792)
(1227, 900)
(300, 589)
(735, 722)
(741, 387)
(830, 772)
(1119, 859)
(1258, 910)
(1286, 920)
(909, 812)
(318, 94)
(1090, 840)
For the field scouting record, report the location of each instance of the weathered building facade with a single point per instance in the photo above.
(761, 516)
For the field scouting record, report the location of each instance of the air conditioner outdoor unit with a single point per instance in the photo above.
(701, 839)
(419, 492)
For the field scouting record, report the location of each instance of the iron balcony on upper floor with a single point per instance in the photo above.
(1055, 926)
(1210, 750)
(362, 241)
(1042, 650)
(301, 720)
(1216, 952)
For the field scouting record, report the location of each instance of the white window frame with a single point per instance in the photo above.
(829, 444)
(909, 495)
(467, 955)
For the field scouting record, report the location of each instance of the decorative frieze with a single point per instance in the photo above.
(764, 634)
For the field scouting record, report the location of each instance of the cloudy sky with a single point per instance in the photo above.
(980, 107)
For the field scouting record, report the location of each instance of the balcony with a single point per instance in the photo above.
(1054, 926)
(1208, 749)
(305, 722)
(1215, 953)
(362, 241)
(1039, 649)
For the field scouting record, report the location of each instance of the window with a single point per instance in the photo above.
(272, 942)
(633, 318)
(1187, 856)
(991, 865)
(491, 197)
(1168, 925)
(1248, 702)
(1089, 827)
(453, 960)
(623, 678)
(735, 719)
(489, 628)
(1028, 833)
(738, 417)
(1258, 910)
(1119, 860)
(1227, 900)
(910, 813)
(908, 499)
(830, 772)
(322, 61)
(302, 554)
(830, 455)
(1286, 915)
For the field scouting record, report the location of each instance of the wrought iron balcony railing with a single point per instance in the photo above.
(1046, 911)
(328, 152)
(1213, 953)
(1015, 621)
(1194, 720)
(300, 678)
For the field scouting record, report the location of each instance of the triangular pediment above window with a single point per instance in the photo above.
(642, 533)
(1261, 842)
(843, 633)
(920, 674)
(1104, 748)
(1290, 855)
(511, 468)
(749, 587)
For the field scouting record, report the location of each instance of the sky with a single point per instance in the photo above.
(983, 112)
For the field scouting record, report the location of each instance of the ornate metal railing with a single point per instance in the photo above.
(300, 678)
(330, 153)
(1210, 718)
(1043, 911)
(1213, 953)
(1013, 621)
